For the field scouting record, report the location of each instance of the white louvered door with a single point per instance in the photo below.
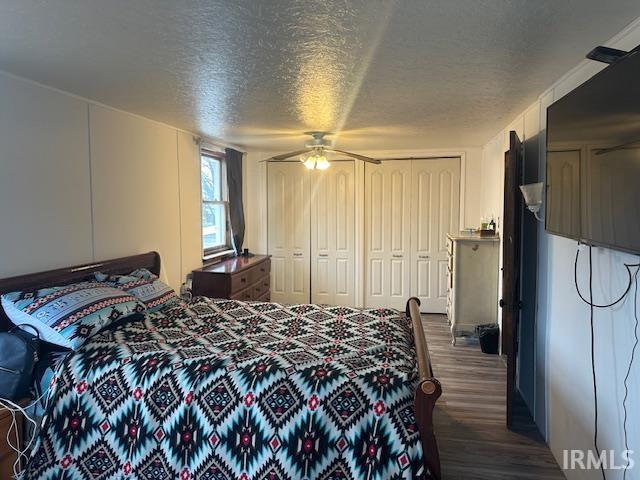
(387, 233)
(288, 231)
(332, 235)
(435, 211)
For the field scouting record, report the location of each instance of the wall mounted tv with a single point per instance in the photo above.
(593, 159)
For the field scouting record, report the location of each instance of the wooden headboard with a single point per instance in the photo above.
(64, 276)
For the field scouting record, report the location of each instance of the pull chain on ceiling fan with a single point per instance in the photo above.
(313, 156)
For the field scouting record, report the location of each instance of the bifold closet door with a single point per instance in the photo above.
(332, 235)
(288, 231)
(388, 233)
(435, 212)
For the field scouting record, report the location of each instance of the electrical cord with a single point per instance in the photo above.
(13, 408)
(592, 307)
(593, 358)
(575, 276)
(626, 378)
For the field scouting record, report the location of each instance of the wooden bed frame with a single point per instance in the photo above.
(63, 276)
(427, 392)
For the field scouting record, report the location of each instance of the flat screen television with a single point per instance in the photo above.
(593, 159)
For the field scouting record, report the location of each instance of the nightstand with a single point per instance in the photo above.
(237, 278)
(7, 455)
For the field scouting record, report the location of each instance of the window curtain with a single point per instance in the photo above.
(234, 189)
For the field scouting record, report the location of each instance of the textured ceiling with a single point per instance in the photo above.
(408, 74)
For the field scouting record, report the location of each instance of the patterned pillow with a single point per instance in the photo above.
(71, 314)
(143, 285)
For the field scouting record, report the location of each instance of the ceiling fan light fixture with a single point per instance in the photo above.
(322, 163)
(309, 162)
(316, 160)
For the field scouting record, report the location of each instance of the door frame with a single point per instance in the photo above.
(511, 269)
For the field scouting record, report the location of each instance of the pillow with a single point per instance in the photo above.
(143, 285)
(71, 314)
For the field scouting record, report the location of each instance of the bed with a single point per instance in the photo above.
(216, 389)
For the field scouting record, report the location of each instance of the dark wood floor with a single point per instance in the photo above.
(470, 416)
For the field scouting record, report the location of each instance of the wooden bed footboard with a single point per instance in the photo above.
(427, 392)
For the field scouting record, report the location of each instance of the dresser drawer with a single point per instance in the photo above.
(261, 287)
(245, 295)
(255, 291)
(245, 278)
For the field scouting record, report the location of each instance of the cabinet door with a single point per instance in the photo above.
(332, 235)
(288, 231)
(388, 232)
(435, 212)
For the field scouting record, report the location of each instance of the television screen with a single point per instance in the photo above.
(593, 159)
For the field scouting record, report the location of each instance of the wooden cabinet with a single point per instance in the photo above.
(473, 282)
(7, 455)
(238, 278)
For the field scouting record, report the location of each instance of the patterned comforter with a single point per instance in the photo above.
(232, 390)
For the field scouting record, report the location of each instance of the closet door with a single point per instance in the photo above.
(332, 235)
(435, 211)
(388, 233)
(288, 231)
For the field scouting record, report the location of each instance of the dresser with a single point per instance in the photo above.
(473, 268)
(237, 278)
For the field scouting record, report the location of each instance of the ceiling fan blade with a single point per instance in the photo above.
(284, 156)
(355, 155)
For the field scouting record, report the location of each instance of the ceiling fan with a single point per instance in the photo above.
(313, 155)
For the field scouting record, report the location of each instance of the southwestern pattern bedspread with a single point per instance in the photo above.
(232, 390)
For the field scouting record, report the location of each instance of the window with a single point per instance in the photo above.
(215, 236)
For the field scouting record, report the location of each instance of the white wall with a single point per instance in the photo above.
(564, 393)
(81, 182)
(136, 198)
(45, 200)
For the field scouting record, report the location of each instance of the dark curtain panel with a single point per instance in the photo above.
(234, 187)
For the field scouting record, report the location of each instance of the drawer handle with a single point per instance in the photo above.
(265, 284)
(397, 256)
(262, 269)
(297, 254)
(243, 279)
(323, 255)
(423, 256)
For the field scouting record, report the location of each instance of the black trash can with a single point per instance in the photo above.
(489, 336)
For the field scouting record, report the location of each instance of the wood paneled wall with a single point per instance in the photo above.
(82, 182)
